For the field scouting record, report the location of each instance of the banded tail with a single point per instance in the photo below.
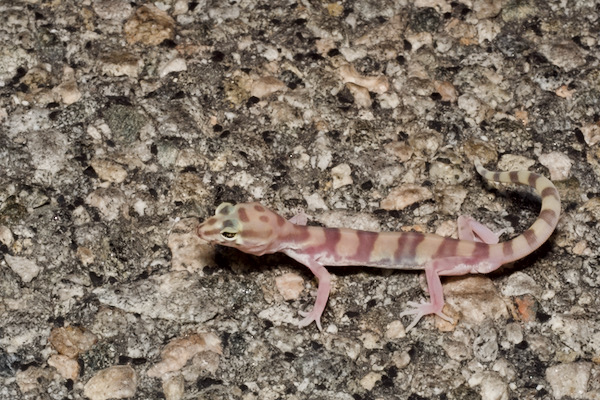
(543, 226)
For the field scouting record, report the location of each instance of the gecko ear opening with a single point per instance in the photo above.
(224, 209)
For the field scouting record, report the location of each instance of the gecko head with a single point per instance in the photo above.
(250, 227)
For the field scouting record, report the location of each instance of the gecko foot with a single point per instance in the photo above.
(309, 317)
(421, 309)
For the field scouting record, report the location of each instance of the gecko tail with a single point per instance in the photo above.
(544, 225)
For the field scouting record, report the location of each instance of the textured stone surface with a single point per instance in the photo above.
(124, 123)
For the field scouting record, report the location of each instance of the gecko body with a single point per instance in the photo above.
(254, 229)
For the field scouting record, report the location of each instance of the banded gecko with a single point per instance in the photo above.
(254, 229)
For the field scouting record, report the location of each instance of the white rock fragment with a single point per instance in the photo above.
(25, 268)
(67, 90)
(513, 162)
(265, 86)
(289, 285)
(109, 202)
(558, 164)
(565, 54)
(117, 382)
(108, 170)
(299, 158)
(279, 314)
(395, 330)
(341, 175)
(315, 202)
(375, 84)
(175, 65)
(443, 6)
(6, 236)
(140, 207)
(179, 351)
(402, 150)
(174, 388)
(30, 378)
(514, 332)
(117, 10)
(487, 30)
(271, 53)
(485, 345)
(67, 367)
(519, 284)
(401, 197)
(476, 299)
(180, 7)
(388, 100)
(48, 150)
(569, 379)
(591, 134)
(471, 105)
(492, 387)
(324, 45)
(419, 40)
(353, 53)
(165, 296)
(188, 251)
(368, 381)
(121, 64)
(488, 8)
(149, 25)
(71, 341)
(365, 221)
(446, 90)
(361, 95)
(80, 216)
(224, 13)
(452, 199)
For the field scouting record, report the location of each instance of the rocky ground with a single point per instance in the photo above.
(123, 124)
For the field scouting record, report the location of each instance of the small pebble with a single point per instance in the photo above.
(289, 285)
(117, 382)
(25, 268)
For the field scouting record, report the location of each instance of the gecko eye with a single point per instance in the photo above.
(228, 235)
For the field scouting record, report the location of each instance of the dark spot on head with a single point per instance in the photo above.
(243, 214)
(225, 210)
(211, 221)
(228, 223)
(259, 208)
(264, 218)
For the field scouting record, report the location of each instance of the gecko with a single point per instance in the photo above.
(255, 229)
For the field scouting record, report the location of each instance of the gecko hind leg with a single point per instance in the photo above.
(470, 229)
(436, 298)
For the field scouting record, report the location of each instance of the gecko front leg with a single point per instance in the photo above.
(323, 289)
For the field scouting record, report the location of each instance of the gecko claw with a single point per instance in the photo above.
(421, 309)
(309, 317)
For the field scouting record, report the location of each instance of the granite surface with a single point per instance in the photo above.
(123, 124)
